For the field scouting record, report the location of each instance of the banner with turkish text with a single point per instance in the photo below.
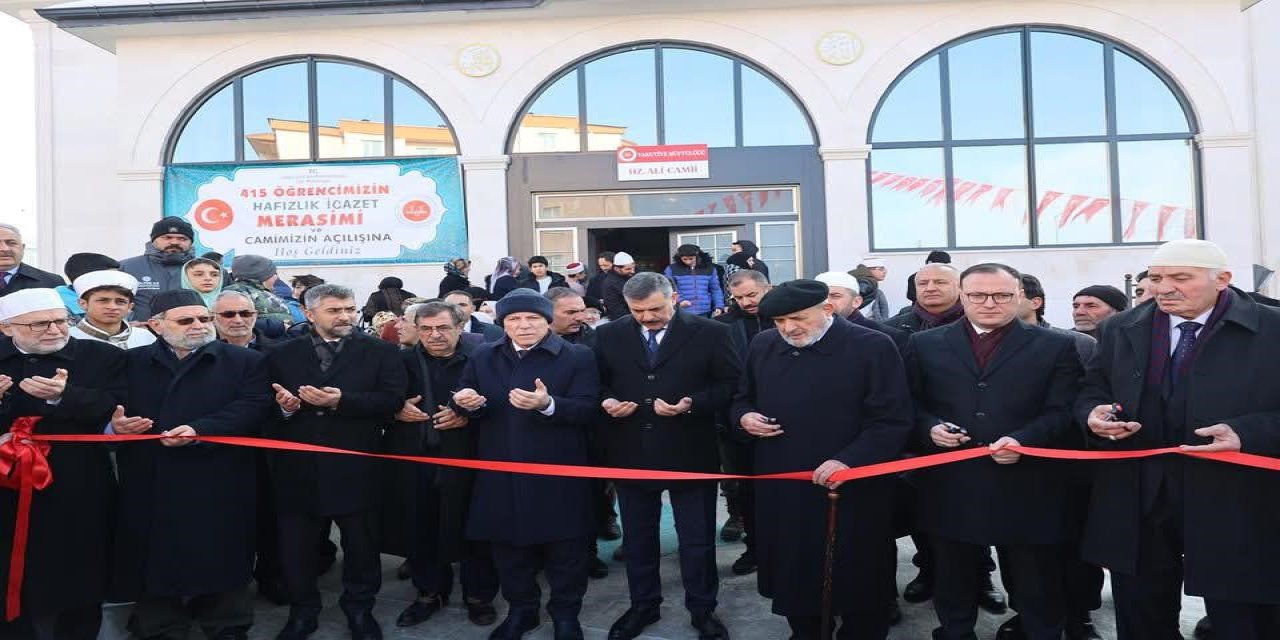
(382, 212)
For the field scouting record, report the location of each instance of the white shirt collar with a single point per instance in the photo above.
(1203, 319)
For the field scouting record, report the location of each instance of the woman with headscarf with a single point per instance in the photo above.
(744, 257)
(203, 276)
(504, 279)
(390, 296)
(455, 276)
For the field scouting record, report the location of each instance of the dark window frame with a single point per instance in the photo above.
(236, 81)
(1029, 141)
(577, 67)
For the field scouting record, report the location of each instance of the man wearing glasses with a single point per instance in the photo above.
(72, 385)
(234, 315)
(992, 381)
(425, 507)
(336, 387)
(184, 543)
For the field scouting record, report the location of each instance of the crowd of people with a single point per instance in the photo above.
(701, 368)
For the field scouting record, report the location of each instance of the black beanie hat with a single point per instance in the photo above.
(172, 224)
(1114, 297)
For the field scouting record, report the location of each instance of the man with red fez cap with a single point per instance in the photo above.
(185, 541)
(802, 417)
(72, 386)
(1196, 370)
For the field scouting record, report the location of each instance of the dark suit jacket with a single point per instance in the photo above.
(372, 379)
(490, 331)
(1026, 392)
(697, 359)
(1230, 518)
(29, 277)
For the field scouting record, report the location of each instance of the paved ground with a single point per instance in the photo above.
(745, 613)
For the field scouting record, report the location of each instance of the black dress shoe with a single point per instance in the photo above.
(709, 626)
(420, 610)
(1204, 630)
(481, 614)
(732, 529)
(567, 630)
(609, 530)
(633, 622)
(1084, 630)
(920, 589)
(516, 625)
(596, 568)
(745, 564)
(1011, 629)
(895, 613)
(363, 626)
(298, 628)
(989, 597)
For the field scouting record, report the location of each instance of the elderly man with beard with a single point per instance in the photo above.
(803, 417)
(184, 544)
(72, 386)
(335, 387)
(159, 268)
(531, 398)
(425, 506)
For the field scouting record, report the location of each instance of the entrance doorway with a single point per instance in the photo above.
(650, 246)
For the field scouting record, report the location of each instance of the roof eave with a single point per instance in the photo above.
(196, 11)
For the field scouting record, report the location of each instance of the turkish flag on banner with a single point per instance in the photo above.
(1166, 212)
(977, 193)
(1138, 207)
(1073, 203)
(1002, 198)
(1090, 210)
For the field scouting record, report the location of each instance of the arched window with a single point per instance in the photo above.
(660, 93)
(311, 109)
(1032, 137)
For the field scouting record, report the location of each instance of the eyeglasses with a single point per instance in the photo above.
(187, 321)
(43, 325)
(444, 331)
(231, 314)
(981, 298)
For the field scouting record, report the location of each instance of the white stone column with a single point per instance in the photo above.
(41, 38)
(1231, 215)
(844, 173)
(486, 192)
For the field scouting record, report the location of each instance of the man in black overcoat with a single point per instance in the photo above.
(992, 381)
(335, 387)
(424, 510)
(185, 542)
(1194, 369)
(531, 398)
(16, 275)
(819, 393)
(664, 375)
(73, 386)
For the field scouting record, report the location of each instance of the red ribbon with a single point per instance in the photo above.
(26, 452)
(23, 466)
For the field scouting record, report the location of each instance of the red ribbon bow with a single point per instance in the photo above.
(24, 467)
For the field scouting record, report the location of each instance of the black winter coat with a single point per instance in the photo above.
(186, 524)
(29, 277)
(844, 398)
(524, 509)
(1025, 392)
(372, 379)
(615, 304)
(1230, 519)
(72, 520)
(401, 505)
(697, 359)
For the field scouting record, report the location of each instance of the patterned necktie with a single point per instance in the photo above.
(7, 276)
(1186, 344)
(652, 344)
